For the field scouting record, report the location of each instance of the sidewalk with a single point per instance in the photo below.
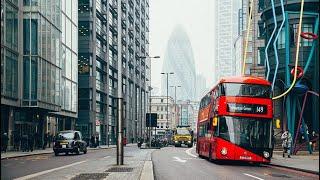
(14, 154)
(303, 162)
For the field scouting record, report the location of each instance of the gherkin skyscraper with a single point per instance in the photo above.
(180, 60)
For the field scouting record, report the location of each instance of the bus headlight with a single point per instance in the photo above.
(266, 154)
(224, 151)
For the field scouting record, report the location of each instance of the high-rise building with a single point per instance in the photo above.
(226, 34)
(255, 50)
(113, 35)
(179, 59)
(39, 67)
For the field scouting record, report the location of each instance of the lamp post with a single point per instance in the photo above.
(149, 88)
(167, 125)
(175, 99)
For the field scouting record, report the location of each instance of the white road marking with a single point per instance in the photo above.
(253, 176)
(188, 151)
(106, 157)
(179, 160)
(47, 171)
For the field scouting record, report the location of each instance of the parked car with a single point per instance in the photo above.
(69, 142)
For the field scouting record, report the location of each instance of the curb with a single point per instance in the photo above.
(297, 169)
(24, 155)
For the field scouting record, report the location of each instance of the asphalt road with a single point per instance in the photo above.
(172, 163)
(22, 166)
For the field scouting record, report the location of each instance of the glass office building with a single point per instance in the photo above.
(38, 88)
(99, 57)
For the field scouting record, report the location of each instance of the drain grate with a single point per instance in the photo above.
(90, 176)
(120, 169)
(280, 175)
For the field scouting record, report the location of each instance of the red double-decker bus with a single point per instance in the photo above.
(235, 121)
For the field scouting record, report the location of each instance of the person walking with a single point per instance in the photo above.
(97, 141)
(92, 141)
(45, 141)
(313, 140)
(4, 142)
(286, 143)
(30, 142)
(50, 138)
(24, 143)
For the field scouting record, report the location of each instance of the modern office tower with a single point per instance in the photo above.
(38, 67)
(255, 51)
(179, 59)
(226, 34)
(108, 47)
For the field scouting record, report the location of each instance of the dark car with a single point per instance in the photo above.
(69, 142)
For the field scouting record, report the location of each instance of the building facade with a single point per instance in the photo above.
(159, 105)
(38, 88)
(226, 34)
(113, 35)
(255, 50)
(287, 109)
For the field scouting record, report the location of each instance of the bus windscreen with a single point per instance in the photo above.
(246, 90)
(250, 133)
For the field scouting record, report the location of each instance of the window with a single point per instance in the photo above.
(281, 39)
(261, 56)
(251, 90)
(83, 28)
(11, 74)
(11, 24)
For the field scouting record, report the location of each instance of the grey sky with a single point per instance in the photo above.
(197, 17)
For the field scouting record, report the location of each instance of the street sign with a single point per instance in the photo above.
(151, 119)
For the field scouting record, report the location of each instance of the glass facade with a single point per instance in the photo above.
(69, 60)
(9, 49)
(41, 53)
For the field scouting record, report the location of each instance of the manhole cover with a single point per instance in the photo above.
(89, 176)
(280, 175)
(120, 169)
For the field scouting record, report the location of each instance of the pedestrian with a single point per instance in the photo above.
(313, 140)
(50, 139)
(132, 140)
(4, 142)
(92, 140)
(45, 141)
(24, 143)
(286, 143)
(16, 140)
(30, 142)
(97, 141)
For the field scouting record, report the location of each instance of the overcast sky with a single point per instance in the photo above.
(197, 17)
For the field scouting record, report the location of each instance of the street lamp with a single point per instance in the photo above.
(149, 88)
(175, 100)
(167, 124)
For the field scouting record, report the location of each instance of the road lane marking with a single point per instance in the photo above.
(188, 151)
(253, 176)
(179, 160)
(47, 171)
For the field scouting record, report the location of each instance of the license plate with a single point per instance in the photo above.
(64, 146)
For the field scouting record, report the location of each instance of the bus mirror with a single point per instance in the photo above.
(215, 121)
(278, 123)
